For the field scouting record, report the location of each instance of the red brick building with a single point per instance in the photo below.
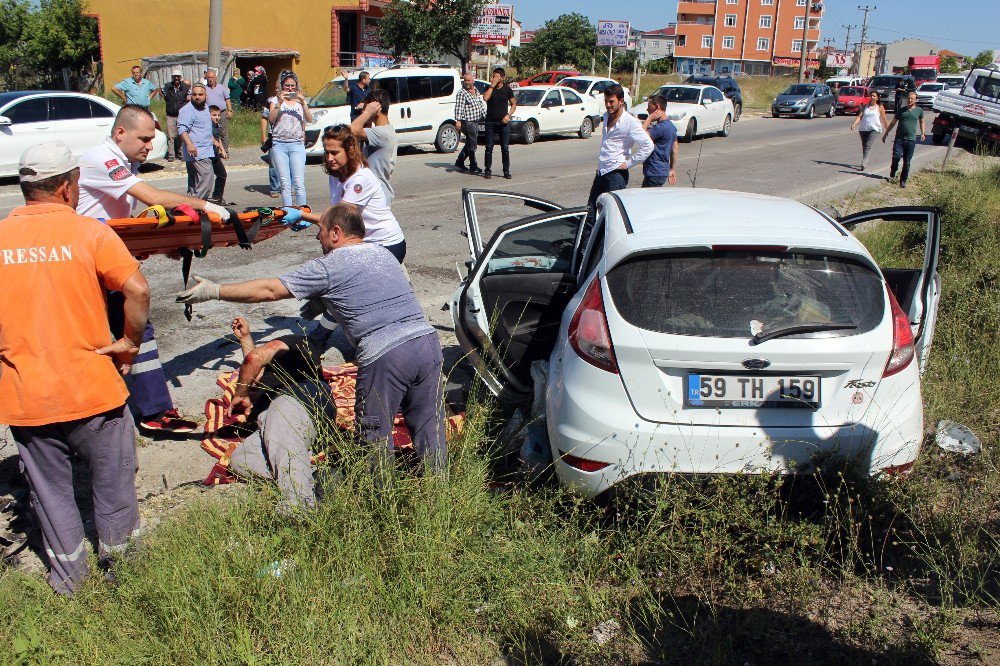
(745, 36)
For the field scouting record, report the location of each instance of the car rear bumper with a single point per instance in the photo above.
(589, 416)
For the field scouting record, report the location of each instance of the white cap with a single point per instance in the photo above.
(176, 72)
(45, 160)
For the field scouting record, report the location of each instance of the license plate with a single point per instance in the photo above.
(752, 391)
(970, 130)
(784, 110)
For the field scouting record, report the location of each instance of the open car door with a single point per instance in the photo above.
(508, 312)
(912, 274)
(486, 210)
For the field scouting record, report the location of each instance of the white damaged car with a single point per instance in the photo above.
(752, 343)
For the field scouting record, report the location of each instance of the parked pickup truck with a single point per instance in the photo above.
(974, 108)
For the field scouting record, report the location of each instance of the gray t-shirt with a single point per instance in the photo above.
(365, 291)
(381, 153)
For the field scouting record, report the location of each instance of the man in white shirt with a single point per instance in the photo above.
(624, 144)
(109, 188)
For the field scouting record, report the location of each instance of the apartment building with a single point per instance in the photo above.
(656, 44)
(745, 36)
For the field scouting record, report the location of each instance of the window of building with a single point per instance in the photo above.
(766, 3)
(681, 40)
(729, 42)
(732, 2)
(796, 45)
(730, 21)
(800, 3)
(656, 43)
(765, 21)
(800, 22)
(706, 41)
(763, 43)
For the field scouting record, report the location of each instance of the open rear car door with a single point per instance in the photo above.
(912, 276)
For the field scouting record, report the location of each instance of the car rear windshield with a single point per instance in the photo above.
(529, 97)
(852, 92)
(682, 95)
(720, 293)
(884, 82)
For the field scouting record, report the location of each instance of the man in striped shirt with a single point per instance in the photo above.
(469, 110)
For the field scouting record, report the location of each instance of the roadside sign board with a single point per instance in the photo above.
(613, 33)
(792, 62)
(493, 25)
(838, 59)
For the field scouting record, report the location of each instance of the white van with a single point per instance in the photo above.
(844, 81)
(422, 111)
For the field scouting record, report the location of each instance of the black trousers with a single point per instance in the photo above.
(492, 127)
(471, 132)
(219, 166)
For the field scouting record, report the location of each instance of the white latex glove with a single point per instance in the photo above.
(218, 210)
(203, 290)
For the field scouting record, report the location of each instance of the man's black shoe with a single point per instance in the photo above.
(506, 174)
(460, 167)
(487, 175)
(475, 170)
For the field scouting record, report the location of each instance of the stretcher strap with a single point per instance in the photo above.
(186, 256)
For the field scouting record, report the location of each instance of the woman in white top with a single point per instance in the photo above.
(352, 181)
(870, 122)
(288, 116)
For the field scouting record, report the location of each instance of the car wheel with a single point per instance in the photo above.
(811, 113)
(530, 132)
(690, 132)
(829, 114)
(737, 112)
(726, 126)
(586, 128)
(447, 138)
(938, 139)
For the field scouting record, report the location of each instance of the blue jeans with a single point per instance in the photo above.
(609, 182)
(902, 149)
(289, 159)
(653, 181)
(492, 127)
(273, 182)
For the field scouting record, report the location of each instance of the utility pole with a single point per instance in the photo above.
(864, 33)
(802, 52)
(215, 36)
(847, 44)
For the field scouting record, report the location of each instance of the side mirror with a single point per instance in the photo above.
(4, 121)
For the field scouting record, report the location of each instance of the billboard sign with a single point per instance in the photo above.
(839, 60)
(792, 62)
(493, 25)
(612, 33)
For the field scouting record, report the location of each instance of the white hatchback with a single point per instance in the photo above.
(764, 339)
(592, 88)
(695, 110)
(80, 121)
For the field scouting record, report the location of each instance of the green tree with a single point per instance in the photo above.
(949, 65)
(526, 58)
(982, 59)
(428, 28)
(566, 39)
(661, 66)
(59, 35)
(624, 61)
(15, 15)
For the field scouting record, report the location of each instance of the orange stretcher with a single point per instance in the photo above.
(181, 230)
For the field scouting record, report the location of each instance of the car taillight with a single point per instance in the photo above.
(582, 463)
(588, 331)
(902, 340)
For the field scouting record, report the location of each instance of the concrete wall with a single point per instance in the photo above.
(132, 29)
(897, 54)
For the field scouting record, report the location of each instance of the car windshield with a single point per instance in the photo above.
(330, 95)
(578, 85)
(931, 87)
(853, 92)
(884, 82)
(923, 74)
(798, 90)
(680, 95)
(529, 97)
(721, 293)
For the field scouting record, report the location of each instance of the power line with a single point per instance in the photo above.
(940, 39)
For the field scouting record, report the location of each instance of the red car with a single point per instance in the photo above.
(549, 78)
(851, 98)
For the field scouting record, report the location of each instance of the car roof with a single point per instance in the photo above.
(416, 70)
(582, 77)
(553, 86)
(18, 94)
(688, 217)
(694, 86)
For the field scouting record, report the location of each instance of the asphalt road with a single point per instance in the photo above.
(813, 161)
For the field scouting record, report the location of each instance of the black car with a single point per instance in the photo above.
(886, 85)
(729, 88)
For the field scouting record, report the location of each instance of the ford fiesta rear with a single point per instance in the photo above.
(732, 359)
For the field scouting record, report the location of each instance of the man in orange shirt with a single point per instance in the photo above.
(61, 390)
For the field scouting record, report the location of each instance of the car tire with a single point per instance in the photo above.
(529, 133)
(690, 132)
(938, 138)
(727, 125)
(831, 112)
(737, 112)
(586, 128)
(447, 138)
(811, 113)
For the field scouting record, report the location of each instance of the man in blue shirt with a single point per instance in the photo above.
(136, 90)
(659, 166)
(194, 122)
(356, 91)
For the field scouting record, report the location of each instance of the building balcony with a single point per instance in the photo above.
(701, 7)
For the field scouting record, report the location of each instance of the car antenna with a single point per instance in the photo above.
(694, 178)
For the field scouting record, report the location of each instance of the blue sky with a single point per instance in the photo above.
(965, 26)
